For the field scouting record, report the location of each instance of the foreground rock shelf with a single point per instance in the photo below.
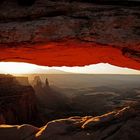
(117, 125)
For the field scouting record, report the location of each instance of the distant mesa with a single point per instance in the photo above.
(23, 80)
(54, 71)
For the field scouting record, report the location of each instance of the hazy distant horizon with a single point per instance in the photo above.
(100, 68)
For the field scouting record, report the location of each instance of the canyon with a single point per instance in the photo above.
(66, 33)
(35, 110)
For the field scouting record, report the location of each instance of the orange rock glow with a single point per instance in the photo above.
(66, 53)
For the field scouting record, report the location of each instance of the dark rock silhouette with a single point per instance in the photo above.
(51, 104)
(26, 2)
(47, 96)
(17, 102)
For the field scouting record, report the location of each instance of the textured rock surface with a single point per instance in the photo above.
(64, 31)
(47, 96)
(120, 124)
(17, 102)
(52, 104)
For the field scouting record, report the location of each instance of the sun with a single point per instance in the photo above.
(17, 68)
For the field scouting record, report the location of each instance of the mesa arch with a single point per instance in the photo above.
(57, 33)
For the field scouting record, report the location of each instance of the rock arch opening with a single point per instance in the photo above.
(74, 34)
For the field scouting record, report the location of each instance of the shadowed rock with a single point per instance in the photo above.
(48, 25)
(26, 2)
(17, 102)
(115, 125)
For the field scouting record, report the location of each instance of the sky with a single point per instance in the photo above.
(26, 68)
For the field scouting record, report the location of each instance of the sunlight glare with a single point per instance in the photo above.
(17, 68)
(26, 68)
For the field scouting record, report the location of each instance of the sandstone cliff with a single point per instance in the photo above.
(51, 103)
(48, 96)
(17, 102)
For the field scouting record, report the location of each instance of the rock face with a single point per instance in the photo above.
(17, 102)
(74, 29)
(51, 104)
(23, 80)
(26, 2)
(117, 125)
(46, 94)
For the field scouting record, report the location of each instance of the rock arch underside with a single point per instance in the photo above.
(73, 33)
(76, 32)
